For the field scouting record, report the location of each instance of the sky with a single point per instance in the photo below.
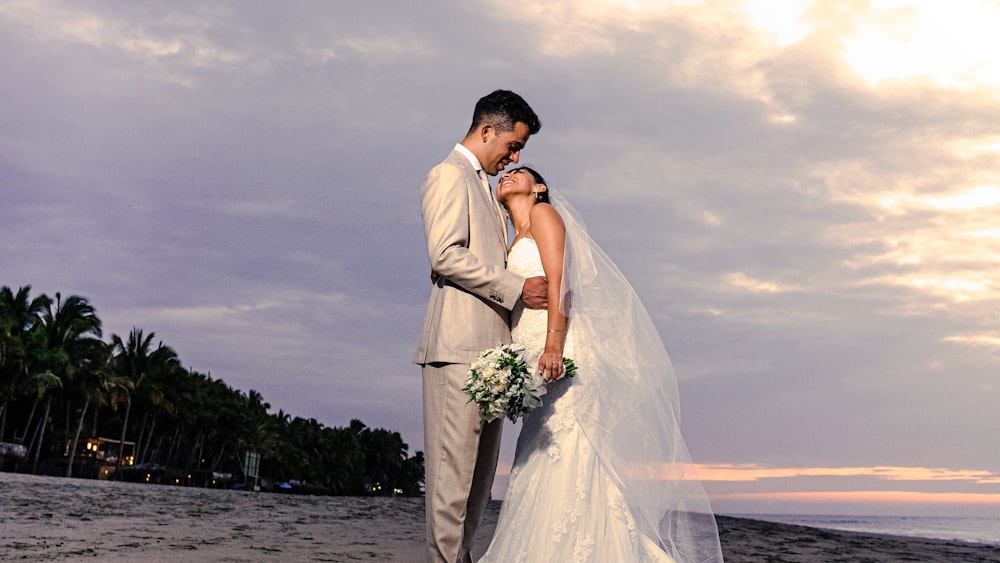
(804, 193)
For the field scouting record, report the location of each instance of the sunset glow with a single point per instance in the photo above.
(950, 43)
(752, 472)
(884, 497)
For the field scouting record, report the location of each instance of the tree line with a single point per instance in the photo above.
(61, 384)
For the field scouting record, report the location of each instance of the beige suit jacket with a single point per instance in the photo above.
(469, 308)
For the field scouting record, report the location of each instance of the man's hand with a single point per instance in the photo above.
(535, 293)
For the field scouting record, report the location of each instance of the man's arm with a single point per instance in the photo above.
(534, 293)
(445, 210)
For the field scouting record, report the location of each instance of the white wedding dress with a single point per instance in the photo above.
(580, 489)
(561, 503)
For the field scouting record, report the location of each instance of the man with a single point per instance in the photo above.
(468, 312)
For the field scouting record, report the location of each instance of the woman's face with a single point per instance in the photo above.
(516, 182)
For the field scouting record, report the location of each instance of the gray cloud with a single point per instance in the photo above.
(242, 180)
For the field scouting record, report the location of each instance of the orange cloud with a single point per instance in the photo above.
(755, 472)
(905, 497)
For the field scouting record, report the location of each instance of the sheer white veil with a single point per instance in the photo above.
(628, 400)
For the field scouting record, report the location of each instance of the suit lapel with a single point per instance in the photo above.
(498, 211)
(486, 199)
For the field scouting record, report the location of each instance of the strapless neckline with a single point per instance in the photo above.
(519, 241)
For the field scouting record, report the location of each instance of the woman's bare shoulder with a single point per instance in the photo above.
(546, 215)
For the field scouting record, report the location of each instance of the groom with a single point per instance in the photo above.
(468, 312)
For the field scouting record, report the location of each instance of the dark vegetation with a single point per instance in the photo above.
(74, 404)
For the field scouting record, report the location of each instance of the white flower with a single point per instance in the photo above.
(500, 383)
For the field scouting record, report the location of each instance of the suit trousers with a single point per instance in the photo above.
(461, 459)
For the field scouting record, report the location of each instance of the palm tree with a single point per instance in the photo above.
(346, 460)
(38, 379)
(19, 315)
(224, 404)
(276, 449)
(215, 410)
(255, 421)
(412, 474)
(136, 364)
(163, 391)
(94, 383)
(71, 329)
(385, 454)
(43, 382)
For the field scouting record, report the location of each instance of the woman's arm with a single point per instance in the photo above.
(549, 232)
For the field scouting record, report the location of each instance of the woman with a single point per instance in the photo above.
(601, 472)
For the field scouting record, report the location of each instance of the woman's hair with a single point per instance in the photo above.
(542, 197)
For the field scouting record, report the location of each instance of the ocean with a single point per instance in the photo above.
(979, 530)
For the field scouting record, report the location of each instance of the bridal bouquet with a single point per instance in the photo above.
(501, 384)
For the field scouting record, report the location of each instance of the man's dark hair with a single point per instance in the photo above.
(502, 109)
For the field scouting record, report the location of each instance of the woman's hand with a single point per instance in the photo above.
(550, 365)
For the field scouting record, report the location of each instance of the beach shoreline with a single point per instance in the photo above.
(62, 519)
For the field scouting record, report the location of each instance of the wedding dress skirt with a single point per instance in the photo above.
(563, 502)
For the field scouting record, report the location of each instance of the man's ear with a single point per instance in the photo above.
(485, 130)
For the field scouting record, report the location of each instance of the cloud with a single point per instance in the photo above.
(987, 340)
(843, 498)
(817, 244)
(742, 282)
(752, 472)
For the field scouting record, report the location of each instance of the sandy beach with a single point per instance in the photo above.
(58, 519)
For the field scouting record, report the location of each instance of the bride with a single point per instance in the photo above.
(601, 472)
